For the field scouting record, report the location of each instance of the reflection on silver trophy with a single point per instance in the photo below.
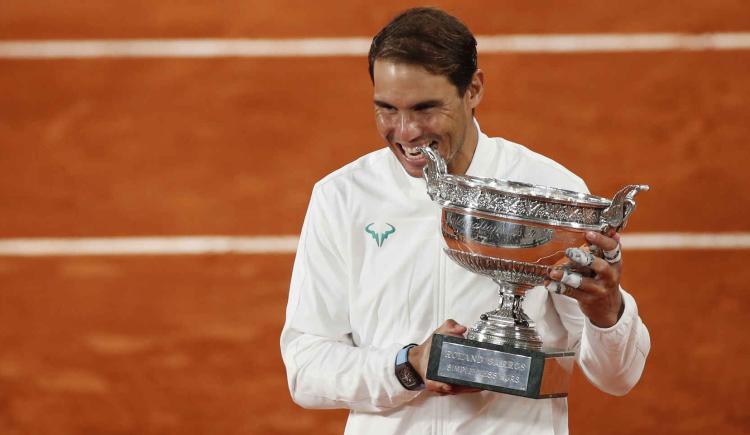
(513, 233)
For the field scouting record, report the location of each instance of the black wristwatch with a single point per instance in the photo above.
(405, 372)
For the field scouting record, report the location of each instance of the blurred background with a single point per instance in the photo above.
(175, 334)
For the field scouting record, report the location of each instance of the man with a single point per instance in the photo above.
(370, 276)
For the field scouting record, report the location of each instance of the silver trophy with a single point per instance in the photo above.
(513, 233)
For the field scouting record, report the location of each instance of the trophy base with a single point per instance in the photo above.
(536, 374)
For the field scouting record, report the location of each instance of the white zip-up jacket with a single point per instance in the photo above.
(370, 277)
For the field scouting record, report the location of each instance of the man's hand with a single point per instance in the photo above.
(597, 285)
(419, 355)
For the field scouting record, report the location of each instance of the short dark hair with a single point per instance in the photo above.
(432, 39)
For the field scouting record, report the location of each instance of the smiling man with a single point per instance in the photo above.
(415, 107)
(370, 279)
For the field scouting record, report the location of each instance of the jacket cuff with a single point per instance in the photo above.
(615, 335)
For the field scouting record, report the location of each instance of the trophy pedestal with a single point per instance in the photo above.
(536, 374)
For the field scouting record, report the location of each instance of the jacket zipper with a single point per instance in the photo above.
(436, 313)
(440, 318)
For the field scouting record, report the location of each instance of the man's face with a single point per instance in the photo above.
(414, 107)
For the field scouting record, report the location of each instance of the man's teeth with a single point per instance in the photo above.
(414, 152)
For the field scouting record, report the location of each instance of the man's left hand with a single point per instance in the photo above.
(596, 285)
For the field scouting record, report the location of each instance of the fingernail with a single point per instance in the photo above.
(590, 235)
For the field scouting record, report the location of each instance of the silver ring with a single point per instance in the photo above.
(584, 258)
(613, 256)
(572, 279)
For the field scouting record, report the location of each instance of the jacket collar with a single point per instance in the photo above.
(484, 162)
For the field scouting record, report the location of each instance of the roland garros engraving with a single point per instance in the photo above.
(496, 233)
(484, 366)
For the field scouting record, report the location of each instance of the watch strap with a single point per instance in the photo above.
(405, 372)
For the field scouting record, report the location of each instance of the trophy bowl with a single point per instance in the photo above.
(513, 233)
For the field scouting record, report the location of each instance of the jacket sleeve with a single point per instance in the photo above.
(325, 369)
(611, 358)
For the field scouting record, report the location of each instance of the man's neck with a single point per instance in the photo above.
(460, 163)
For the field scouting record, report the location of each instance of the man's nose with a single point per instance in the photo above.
(407, 129)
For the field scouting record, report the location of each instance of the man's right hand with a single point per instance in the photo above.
(419, 355)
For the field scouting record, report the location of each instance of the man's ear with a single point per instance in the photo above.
(475, 90)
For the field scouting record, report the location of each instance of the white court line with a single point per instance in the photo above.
(198, 245)
(189, 245)
(359, 46)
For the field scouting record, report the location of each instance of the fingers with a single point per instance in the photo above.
(588, 276)
(419, 355)
(602, 241)
(444, 389)
(586, 259)
(571, 279)
(593, 281)
(580, 293)
(613, 256)
(438, 387)
(458, 389)
(451, 327)
(609, 245)
(580, 256)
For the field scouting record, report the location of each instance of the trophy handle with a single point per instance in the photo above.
(616, 215)
(435, 169)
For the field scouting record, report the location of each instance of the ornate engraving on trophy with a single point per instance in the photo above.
(484, 366)
(496, 233)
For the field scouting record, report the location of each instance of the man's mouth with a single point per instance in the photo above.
(413, 154)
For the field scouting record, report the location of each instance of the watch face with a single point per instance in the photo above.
(407, 376)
